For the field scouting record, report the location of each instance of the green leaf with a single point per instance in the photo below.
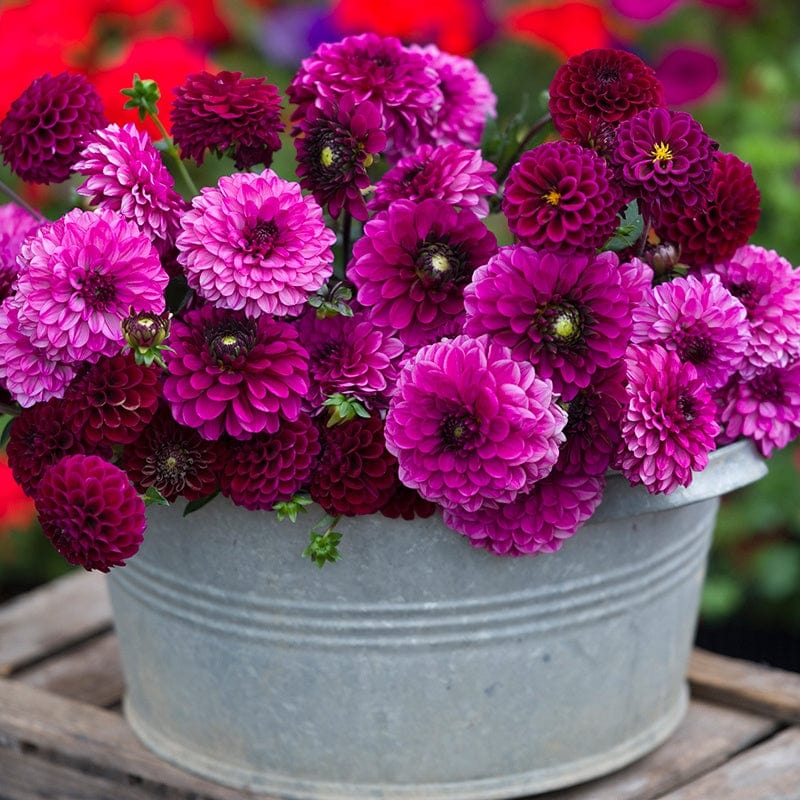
(344, 408)
(630, 229)
(5, 428)
(196, 505)
(152, 497)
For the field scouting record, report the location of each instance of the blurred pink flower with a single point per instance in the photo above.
(688, 74)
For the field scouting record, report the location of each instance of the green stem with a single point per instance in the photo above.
(534, 129)
(12, 411)
(173, 151)
(24, 204)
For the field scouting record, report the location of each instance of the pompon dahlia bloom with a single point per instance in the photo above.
(90, 512)
(453, 173)
(235, 375)
(15, 225)
(537, 521)
(470, 424)
(412, 264)
(566, 314)
(608, 85)
(769, 289)
(663, 155)
(80, 276)
(125, 173)
(401, 83)
(270, 467)
(700, 320)
(669, 423)
(407, 504)
(764, 407)
(335, 145)
(45, 129)
(255, 243)
(561, 196)
(229, 115)
(715, 229)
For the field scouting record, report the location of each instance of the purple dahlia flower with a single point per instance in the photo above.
(469, 424)
(125, 173)
(537, 521)
(235, 375)
(636, 277)
(567, 314)
(80, 277)
(561, 196)
(669, 424)
(455, 174)
(254, 243)
(15, 225)
(412, 264)
(45, 129)
(699, 319)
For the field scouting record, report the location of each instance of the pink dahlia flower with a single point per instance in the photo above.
(469, 424)
(15, 225)
(669, 424)
(453, 173)
(412, 264)
(80, 277)
(567, 314)
(231, 374)
(636, 277)
(537, 521)
(90, 512)
(699, 319)
(254, 243)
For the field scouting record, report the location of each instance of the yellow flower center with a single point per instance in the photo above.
(564, 326)
(661, 152)
(553, 197)
(326, 156)
(440, 264)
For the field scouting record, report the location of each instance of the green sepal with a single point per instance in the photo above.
(289, 509)
(144, 95)
(323, 548)
(343, 409)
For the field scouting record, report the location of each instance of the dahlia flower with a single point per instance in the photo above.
(254, 243)
(408, 504)
(636, 277)
(15, 225)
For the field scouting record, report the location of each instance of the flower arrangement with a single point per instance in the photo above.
(355, 336)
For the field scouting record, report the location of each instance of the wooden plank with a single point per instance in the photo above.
(770, 771)
(90, 672)
(38, 725)
(708, 737)
(52, 617)
(743, 684)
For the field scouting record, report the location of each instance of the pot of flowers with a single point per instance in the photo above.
(510, 456)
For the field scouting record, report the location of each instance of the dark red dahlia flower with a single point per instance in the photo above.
(407, 504)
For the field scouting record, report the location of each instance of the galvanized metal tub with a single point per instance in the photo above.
(417, 667)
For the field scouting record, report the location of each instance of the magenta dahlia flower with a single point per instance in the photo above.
(453, 173)
(235, 375)
(669, 424)
(764, 407)
(663, 155)
(412, 264)
(636, 277)
(229, 115)
(700, 320)
(254, 243)
(270, 467)
(561, 196)
(566, 314)
(15, 225)
(80, 277)
(45, 129)
(470, 424)
(769, 289)
(605, 84)
(90, 512)
(537, 521)
(401, 83)
(125, 173)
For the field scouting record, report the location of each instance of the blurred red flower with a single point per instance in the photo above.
(16, 510)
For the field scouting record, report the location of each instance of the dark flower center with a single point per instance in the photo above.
(745, 292)
(226, 344)
(688, 407)
(97, 290)
(606, 76)
(696, 349)
(331, 150)
(172, 462)
(768, 387)
(458, 431)
(438, 263)
(263, 237)
(562, 324)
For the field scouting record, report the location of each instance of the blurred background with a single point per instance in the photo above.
(734, 64)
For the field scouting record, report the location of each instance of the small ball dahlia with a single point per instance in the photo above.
(609, 85)
(561, 196)
(537, 521)
(90, 512)
(566, 314)
(407, 504)
(355, 473)
(470, 424)
(270, 467)
(80, 277)
(125, 173)
(412, 264)
(229, 115)
(255, 243)
(15, 225)
(700, 320)
(663, 155)
(453, 173)
(669, 424)
(230, 374)
(45, 129)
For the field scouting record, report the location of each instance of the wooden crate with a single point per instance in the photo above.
(62, 736)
